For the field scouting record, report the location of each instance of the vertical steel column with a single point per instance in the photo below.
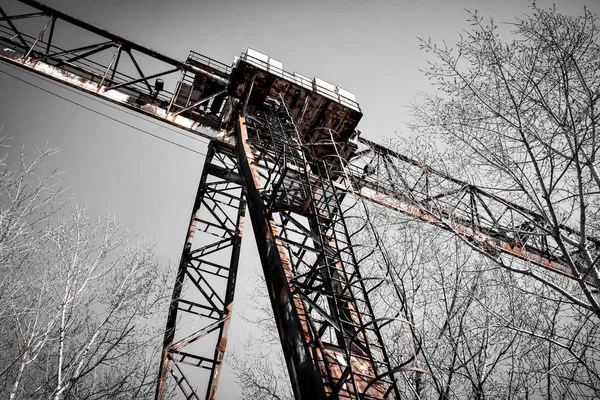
(289, 312)
(201, 304)
(328, 330)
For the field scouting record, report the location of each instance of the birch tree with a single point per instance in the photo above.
(80, 300)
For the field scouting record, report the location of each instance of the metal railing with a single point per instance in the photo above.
(210, 62)
(300, 80)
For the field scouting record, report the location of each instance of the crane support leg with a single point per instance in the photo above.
(288, 308)
(330, 336)
(203, 292)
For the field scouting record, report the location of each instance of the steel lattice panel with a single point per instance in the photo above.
(303, 210)
(201, 306)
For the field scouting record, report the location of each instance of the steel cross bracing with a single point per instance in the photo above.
(89, 58)
(300, 192)
(37, 48)
(320, 300)
(201, 305)
(488, 221)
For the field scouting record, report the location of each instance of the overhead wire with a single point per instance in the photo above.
(114, 106)
(105, 115)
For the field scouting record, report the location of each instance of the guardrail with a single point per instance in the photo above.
(210, 62)
(317, 85)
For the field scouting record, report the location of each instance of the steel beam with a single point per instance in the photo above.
(329, 332)
(489, 222)
(290, 316)
(205, 283)
(79, 66)
(328, 329)
(533, 244)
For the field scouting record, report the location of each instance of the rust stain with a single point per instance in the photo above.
(482, 240)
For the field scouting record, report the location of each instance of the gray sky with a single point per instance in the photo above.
(368, 47)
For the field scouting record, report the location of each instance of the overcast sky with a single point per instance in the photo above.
(368, 47)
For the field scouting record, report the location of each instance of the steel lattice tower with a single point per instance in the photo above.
(286, 148)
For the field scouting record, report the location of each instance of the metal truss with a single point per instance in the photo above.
(190, 95)
(329, 330)
(491, 223)
(197, 103)
(304, 175)
(203, 292)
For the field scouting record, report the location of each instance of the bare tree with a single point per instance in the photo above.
(259, 365)
(524, 114)
(79, 299)
(434, 281)
(521, 119)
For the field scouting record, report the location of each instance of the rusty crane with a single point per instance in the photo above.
(286, 147)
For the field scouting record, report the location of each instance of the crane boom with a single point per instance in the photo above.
(285, 146)
(489, 222)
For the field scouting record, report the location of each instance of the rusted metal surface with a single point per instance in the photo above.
(106, 34)
(205, 284)
(77, 68)
(302, 216)
(114, 96)
(492, 224)
(296, 174)
(484, 242)
(229, 295)
(315, 109)
(290, 314)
